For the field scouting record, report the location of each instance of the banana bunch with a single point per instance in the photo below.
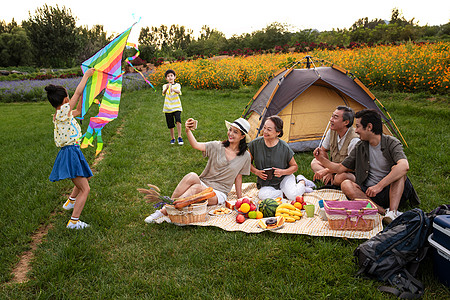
(289, 212)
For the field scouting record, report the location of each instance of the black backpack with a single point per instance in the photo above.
(394, 254)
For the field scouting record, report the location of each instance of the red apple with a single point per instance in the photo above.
(292, 202)
(246, 200)
(238, 204)
(299, 199)
(252, 206)
(240, 218)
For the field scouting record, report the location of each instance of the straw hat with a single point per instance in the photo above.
(243, 125)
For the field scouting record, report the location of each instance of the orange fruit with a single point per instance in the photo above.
(259, 215)
(298, 205)
(245, 208)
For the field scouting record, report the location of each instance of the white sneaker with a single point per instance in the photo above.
(164, 219)
(156, 217)
(69, 204)
(308, 183)
(78, 225)
(308, 190)
(390, 216)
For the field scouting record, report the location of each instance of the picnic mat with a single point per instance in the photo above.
(309, 226)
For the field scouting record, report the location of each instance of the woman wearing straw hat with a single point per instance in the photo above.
(274, 164)
(227, 162)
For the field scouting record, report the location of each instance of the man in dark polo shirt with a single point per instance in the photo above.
(380, 167)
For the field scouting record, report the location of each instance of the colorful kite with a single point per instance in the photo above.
(108, 78)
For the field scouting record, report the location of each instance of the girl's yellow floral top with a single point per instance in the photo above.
(67, 130)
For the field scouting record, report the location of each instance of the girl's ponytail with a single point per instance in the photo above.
(56, 94)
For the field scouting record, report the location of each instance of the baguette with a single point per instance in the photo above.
(204, 192)
(194, 200)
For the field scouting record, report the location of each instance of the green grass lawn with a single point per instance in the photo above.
(120, 256)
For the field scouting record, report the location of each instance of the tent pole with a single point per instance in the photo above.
(243, 112)
(308, 62)
(324, 133)
(389, 115)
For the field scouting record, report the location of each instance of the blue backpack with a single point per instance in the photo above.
(394, 254)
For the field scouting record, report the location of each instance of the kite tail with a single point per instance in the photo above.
(99, 142)
(88, 138)
(131, 58)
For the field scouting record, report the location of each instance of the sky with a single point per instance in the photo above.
(232, 16)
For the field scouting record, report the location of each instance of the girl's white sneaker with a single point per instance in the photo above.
(77, 225)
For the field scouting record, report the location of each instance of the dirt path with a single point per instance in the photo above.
(21, 270)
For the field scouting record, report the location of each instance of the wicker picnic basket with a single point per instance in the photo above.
(351, 215)
(190, 214)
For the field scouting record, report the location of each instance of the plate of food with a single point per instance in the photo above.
(274, 223)
(221, 211)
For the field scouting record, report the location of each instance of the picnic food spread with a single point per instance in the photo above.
(306, 226)
(238, 211)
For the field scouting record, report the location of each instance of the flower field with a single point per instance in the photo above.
(33, 90)
(405, 68)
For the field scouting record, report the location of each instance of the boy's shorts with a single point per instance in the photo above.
(382, 198)
(173, 117)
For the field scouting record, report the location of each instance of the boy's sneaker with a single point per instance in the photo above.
(172, 141)
(69, 204)
(180, 141)
(77, 225)
(390, 216)
(157, 217)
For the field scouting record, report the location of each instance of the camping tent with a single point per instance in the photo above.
(305, 99)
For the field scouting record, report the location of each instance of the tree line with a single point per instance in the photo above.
(50, 38)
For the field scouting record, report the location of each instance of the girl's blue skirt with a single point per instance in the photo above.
(70, 163)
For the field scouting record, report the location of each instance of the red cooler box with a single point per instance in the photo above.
(440, 241)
